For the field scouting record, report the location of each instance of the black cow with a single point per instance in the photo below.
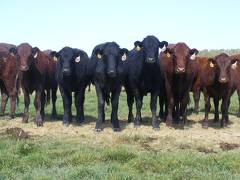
(71, 74)
(144, 76)
(108, 73)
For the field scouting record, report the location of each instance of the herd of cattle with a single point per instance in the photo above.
(167, 71)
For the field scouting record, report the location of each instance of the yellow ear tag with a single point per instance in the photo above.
(168, 55)
(99, 56)
(211, 65)
(138, 48)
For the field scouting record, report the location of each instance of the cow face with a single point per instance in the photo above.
(111, 56)
(181, 54)
(66, 59)
(26, 55)
(150, 46)
(222, 65)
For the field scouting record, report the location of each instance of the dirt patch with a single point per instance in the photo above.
(228, 146)
(206, 150)
(17, 133)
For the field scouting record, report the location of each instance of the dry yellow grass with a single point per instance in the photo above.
(192, 136)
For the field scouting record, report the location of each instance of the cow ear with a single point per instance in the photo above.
(99, 53)
(212, 62)
(193, 53)
(138, 45)
(234, 63)
(13, 51)
(55, 55)
(35, 52)
(124, 54)
(163, 45)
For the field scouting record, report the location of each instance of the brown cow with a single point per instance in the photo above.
(8, 77)
(236, 78)
(196, 89)
(33, 67)
(217, 83)
(179, 68)
(51, 83)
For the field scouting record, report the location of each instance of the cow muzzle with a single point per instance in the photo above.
(180, 70)
(66, 72)
(223, 80)
(151, 60)
(24, 68)
(111, 74)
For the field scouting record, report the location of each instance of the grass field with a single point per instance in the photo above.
(77, 152)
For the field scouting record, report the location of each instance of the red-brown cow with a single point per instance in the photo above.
(196, 89)
(8, 77)
(34, 68)
(217, 83)
(180, 69)
(235, 71)
(51, 84)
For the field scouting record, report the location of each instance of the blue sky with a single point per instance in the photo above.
(83, 24)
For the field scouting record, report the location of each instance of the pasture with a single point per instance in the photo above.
(77, 152)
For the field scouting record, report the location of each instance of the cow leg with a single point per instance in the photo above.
(130, 100)
(38, 106)
(170, 104)
(12, 106)
(177, 112)
(114, 115)
(26, 106)
(207, 109)
(43, 103)
(3, 102)
(183, 108)
(67, 104)
(216, 112)
(238, 113)
(54, 99)
(196, 97)
(101, 104)
(153, 107)
(162, 101)
(224, 112)
(79, 103)
(138, 100)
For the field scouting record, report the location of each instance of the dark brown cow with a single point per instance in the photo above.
(8, 77)
(196, 89)
(51, 84)
(179, 68)
(34, 68)
(217, 83)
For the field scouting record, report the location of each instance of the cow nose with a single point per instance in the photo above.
(65, 71)
(111, 73)
(180, 70)
(223, 80)
(23, 67)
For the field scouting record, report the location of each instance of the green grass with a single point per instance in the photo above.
(131, 156)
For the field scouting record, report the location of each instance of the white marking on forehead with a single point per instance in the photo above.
(163, 48)
(124, 57)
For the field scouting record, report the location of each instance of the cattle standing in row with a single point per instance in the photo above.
(71, 75)
(9, 77)
(108, 73)
(179, 69)
(33, 68)
(218, 84)
(51, 83)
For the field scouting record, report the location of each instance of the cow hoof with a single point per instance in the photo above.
(116, 129)
(137, 126)
(25, 120)
(156, 129)
(97, 130)
(39, 124)
(205, 125)
(80, 121)
(169, 124)
(66, 124)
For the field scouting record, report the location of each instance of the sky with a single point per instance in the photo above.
(53, 24)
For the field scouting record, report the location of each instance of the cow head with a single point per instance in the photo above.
(150, 46)
(222, 64)
(181, 54)
(26, 55)
(111, 55)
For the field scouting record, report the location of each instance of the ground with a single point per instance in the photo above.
(77, 152)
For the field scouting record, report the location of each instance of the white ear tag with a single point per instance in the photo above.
(124, 57)
(163, 48)
(138, 48)
(234, 66)
(54, 58)
(35, 56)
(77, 59)
(99, 56)
(192, 57)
